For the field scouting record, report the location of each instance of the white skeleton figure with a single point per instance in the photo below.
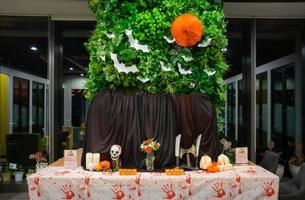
(115, 152)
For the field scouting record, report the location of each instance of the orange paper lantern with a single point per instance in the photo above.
(187, 30)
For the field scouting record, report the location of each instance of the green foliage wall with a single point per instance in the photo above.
(150, 21)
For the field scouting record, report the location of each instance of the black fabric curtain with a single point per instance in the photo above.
(116, 118)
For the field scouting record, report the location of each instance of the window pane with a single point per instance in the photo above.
(231, 111)
(38, 107)
(21, 105)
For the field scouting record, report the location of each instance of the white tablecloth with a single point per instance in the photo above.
(243, 182)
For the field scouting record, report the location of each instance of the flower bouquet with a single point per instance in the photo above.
(41, 160)
(149, 146)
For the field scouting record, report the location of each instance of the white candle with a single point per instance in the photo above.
(96, 159)
(89, 159)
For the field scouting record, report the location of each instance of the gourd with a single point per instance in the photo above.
(205, 161)
(223, 159)
(224, 163)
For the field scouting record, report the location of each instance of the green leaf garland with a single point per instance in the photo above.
(150, 22)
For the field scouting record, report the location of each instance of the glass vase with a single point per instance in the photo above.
(40, 166)
(149, 161)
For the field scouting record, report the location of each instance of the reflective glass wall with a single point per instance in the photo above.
(237, 54)
(24, 83)
(72, 66)
(279, 89)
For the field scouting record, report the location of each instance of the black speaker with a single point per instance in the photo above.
(20, 146)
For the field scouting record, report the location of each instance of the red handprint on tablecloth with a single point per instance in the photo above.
(237, 178)
(219, 189)
(269, 190)
(138, 180)
(61, 173)
(250, 171)
(188, 181)
(87, 185)
(168, 189)
(68, 193)
(118, 192)
(136, 186)
(234, 188)
(138, 183)
(36, 186)
(156, 174)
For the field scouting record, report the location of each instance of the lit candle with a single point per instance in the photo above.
(89, 160)
(96, 159)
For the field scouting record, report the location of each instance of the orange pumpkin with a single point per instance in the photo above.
(187, 30)
(105, 164)
(213, 168)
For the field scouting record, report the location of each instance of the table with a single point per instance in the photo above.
(242, 182)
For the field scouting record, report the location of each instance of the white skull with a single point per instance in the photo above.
(115, 152)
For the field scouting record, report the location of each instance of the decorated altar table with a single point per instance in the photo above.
(243, 182)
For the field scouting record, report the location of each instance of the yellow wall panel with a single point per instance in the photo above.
(4, 111)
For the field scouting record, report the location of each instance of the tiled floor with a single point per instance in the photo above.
(14, 196)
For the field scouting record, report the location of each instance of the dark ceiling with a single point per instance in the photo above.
(19, 34)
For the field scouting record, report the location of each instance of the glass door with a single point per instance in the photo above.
(261, 114)
(38, 112)
(234, 122)
(283, 108)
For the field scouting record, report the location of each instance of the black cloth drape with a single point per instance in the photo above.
(115, 118)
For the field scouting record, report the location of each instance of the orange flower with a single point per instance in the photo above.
(148, 150)
(187, 30)
(147, 141)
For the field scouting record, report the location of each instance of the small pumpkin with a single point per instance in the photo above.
(105, 165)
(213, 167)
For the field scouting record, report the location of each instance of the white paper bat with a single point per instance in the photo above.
(169, 40)
(183, 71)
(134, 43)
(205, 43)
(210, 73)
(143, 80)
(110, 36)
(164, 68)
(103, 57)
(121, 67)
(187, 59)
